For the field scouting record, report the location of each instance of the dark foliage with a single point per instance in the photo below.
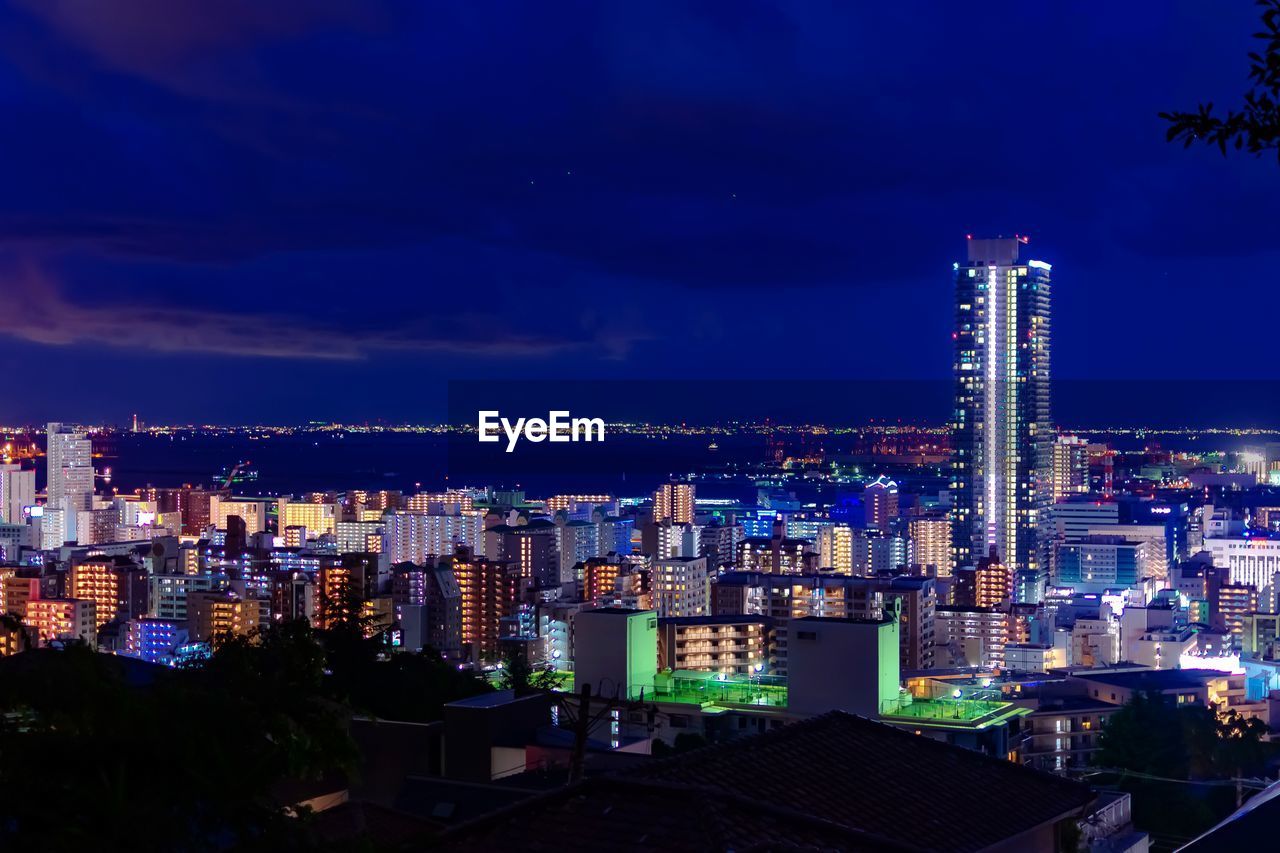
(1157, 738)
(93, 756)
(1254, 126)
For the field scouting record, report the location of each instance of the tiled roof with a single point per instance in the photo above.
(889, 783)
(623, 814)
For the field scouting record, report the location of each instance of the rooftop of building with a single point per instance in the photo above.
(735, 619)
(1152, 679)
(1071, 705)
(492, 699)
(960, 608)
(614, 611)
(845, 620)
(697, 687)
(618, 812)
(952, 713)
(769, 540)
(863, 775)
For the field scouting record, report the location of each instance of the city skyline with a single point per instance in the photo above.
(742, 176)
(746, 424)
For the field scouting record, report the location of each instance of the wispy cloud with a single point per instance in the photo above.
(38, 312)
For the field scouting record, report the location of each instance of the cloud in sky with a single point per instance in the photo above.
(38, 312)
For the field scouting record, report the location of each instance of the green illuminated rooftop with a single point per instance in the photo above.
(964, 713)
(714, 688)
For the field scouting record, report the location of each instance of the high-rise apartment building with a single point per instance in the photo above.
(930, 537)
(988, 584)
(417, 537)
(1003, 436)
(674, 502)
(836, 548)
(1069, 470)
(17, 490)
(318, 518)
(117, 586)
(69, 460)
(491, 593)
(681, 587)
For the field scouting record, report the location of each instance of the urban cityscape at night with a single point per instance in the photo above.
(670, 427)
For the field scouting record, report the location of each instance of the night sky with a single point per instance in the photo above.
(246, 212)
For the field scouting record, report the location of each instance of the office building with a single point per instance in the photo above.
(1252, 559)
(1003, 432)
(156, 640)
(168, 593)
(1099, 563)
(579, 542)
(719, 543)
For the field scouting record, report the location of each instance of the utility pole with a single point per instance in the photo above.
(581, 728)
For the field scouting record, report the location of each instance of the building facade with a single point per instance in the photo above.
(1003, 433)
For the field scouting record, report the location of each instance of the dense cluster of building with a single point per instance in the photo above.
(1010, 613)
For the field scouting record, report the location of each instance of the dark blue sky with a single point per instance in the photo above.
(245, 211)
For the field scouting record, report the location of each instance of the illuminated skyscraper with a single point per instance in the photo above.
(70, 472)
(1003, 437)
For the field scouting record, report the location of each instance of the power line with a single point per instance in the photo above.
(1255, 783)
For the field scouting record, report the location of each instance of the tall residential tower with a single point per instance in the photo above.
(1003, 436)
(69, 457)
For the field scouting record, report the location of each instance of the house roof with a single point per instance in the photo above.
(626, 814)
(882, 781)
(834, 782)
